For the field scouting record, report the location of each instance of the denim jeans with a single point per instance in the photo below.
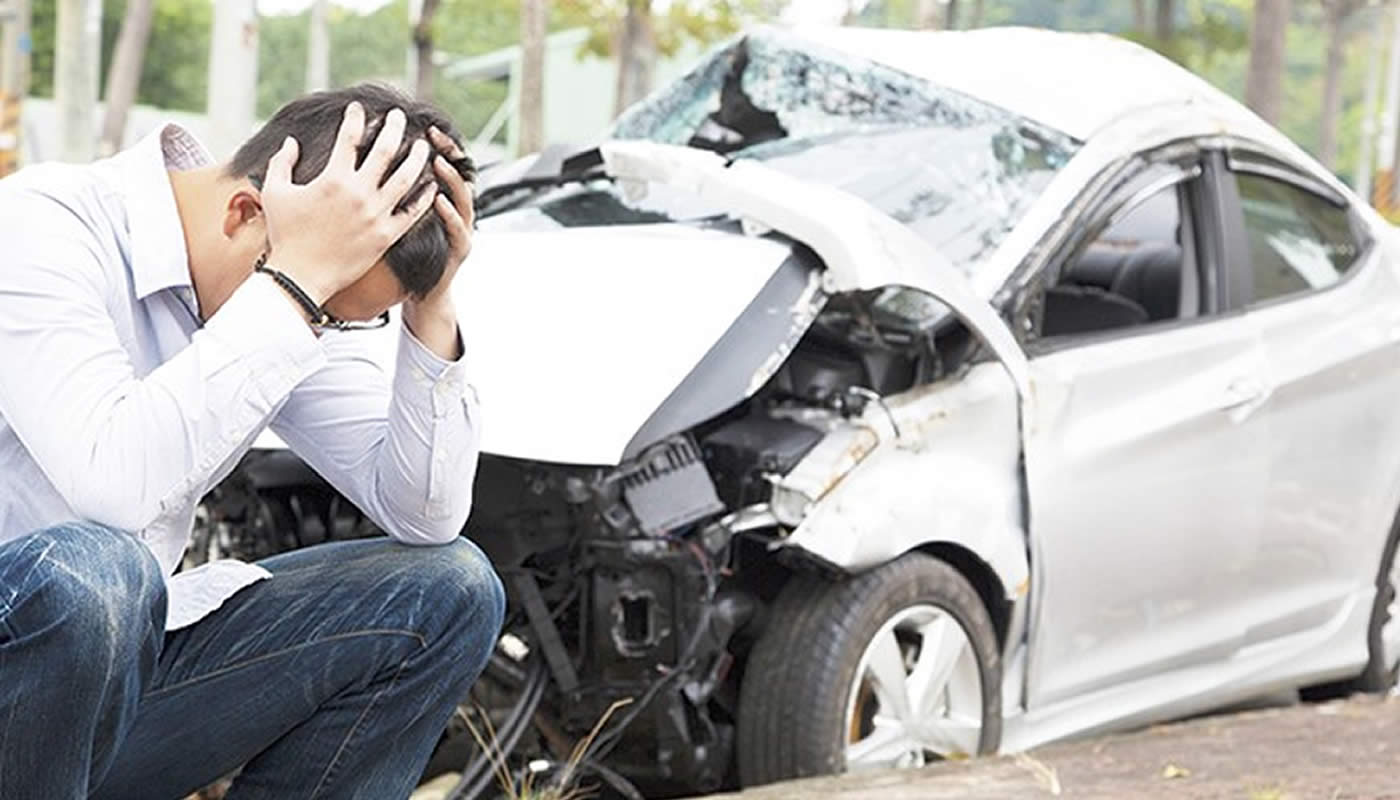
(332, 680)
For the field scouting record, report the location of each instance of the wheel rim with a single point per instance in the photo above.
(1390, 631)
(917, 693)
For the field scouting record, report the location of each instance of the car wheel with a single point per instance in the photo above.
(1383, 635)
(891, 668)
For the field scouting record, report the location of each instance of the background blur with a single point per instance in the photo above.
(84, 77)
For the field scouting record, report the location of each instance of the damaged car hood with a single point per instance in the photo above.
(575, 337)
(861, 247)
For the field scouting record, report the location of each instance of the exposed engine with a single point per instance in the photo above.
(641, 585)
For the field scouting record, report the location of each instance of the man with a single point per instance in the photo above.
(157, 312)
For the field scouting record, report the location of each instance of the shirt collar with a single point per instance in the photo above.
(159, 259)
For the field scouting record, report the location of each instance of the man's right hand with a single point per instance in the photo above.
(326, 234)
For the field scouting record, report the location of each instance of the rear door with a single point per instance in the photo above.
(1328, 310)
(1145, 455)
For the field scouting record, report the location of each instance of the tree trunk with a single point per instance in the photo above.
(318, 48)
(423, 44)
(979, 14)
(534, 23)
(1331, 88)
(124, 73)
(951, 22)
(1263, 90)
(1164, 28)
(636, 54)
(928, 16)
(1140, 16)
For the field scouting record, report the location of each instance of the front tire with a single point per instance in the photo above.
(893, 667)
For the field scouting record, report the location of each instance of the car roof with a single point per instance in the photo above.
(1077, 83)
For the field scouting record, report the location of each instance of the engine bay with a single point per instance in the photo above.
(641, 584)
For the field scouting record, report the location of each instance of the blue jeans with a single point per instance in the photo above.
(332, 680)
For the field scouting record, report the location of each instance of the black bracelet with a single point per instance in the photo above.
(318, 315)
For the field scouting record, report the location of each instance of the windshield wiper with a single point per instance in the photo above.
(578, 168)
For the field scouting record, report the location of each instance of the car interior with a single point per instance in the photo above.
(1140, 270)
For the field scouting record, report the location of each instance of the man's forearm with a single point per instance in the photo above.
(433, 322)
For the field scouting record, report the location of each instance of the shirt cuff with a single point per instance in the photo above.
(445, 380)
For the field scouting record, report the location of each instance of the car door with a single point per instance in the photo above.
(1328, 310)
(1145, 459)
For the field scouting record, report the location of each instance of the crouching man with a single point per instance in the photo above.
(157, 312)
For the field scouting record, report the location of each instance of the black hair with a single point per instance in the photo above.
(419, 257)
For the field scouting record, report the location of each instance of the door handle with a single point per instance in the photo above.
(1243, 397)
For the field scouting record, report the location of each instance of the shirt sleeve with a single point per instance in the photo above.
(123, 449)
(403, 449)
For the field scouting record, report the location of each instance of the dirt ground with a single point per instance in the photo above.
(1341, 750)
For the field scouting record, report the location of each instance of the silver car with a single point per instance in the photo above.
(871, 397)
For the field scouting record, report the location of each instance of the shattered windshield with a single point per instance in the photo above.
(957, 171)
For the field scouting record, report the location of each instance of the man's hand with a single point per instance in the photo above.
(433, 319)
(326, 234)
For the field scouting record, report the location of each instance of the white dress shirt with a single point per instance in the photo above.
(118, 407)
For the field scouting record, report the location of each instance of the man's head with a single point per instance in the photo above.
(415, 263)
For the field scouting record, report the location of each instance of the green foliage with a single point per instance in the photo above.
(703, 21)
(1210, 37)
(175, 72)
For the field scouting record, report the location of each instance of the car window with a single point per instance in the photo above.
(1139, 270)
(1298, 241)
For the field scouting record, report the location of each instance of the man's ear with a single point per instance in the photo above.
(244, 214)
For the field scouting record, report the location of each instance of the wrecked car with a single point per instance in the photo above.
(871, 397)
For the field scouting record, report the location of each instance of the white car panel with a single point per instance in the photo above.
(1334, 360)
(950, 475)
(617, 316)
(1146, 477)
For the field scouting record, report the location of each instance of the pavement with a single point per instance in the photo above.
(1341, 750)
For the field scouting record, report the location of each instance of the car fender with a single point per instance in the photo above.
(949, 474)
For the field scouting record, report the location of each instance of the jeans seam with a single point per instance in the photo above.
(355, 729)
(224, 670)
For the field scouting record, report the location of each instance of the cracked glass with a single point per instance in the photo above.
(959, 172)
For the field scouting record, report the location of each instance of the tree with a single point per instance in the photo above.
(979, 14)
(534, 23)
(636, 35)
(928, 15)
(1336, 14)
(124, 74)
(1263, 89)
(423, 45)
(1164, 23)
(636, 54)
(1140, 15)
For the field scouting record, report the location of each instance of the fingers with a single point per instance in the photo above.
(458, 232)
(386, 144)
(445, 144)
(279, 167)
(400, 223)
(347, 139)
(406, 176)
(457, 187)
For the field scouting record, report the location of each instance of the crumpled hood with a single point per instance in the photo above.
(574, 337)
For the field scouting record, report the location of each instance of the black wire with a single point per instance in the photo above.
(480, 772)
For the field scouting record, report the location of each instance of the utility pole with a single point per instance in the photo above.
(318, 49)
(75, 84)
(233, 75)
(14, 80)
(1382, 195)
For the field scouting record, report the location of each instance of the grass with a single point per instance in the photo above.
(563, 786)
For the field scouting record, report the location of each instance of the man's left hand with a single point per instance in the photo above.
(433, 318)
